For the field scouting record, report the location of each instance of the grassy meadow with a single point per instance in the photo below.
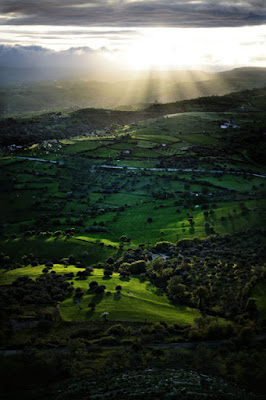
(137, 301)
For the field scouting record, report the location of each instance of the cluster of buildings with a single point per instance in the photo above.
(14, 147)
(229, 124)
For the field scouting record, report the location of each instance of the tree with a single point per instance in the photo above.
(100, 289)
(201, 292)
(251, 307)
(92, 305)
(78, 293)
(71, 260)
(118, 288)
(89, 270)
(175, 288)
(108, 273)
(83, 274)
(93, 285)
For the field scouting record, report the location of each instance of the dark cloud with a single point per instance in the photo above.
(40, 57)
(146, 13)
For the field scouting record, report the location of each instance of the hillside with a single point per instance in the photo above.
(133, 242)
(135, 91)
(30, 129)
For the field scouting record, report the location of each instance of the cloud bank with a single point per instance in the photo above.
(132, 13)
(39, 57)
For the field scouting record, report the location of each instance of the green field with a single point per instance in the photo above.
(138, 301)
(191, 180)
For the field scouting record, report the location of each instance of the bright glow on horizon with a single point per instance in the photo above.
(152, 48)
(192, 48)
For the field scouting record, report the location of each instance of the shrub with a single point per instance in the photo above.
(137, 267)
(108, 341)
(81, 333)
(108, 273)
(163, 246)
(216, 331)
(49, 264)
(34, 263)
(116, 330)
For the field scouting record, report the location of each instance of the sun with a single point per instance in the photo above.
(156, 49)
(166, 49)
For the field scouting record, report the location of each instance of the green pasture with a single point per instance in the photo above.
(9, 276)
(81, 146)
(103, 151)
(145, 162)
(120, 199)
(56, 247)
(155, 136)
(234, 182)
(138, 301)
(200, 139)
(75, 193)
(86, 145)
(168, 225)
(146, 144)
(192, 122)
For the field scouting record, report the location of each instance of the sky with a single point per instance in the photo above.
(136, 35)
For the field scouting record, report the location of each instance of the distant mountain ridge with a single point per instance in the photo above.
(126, 94)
